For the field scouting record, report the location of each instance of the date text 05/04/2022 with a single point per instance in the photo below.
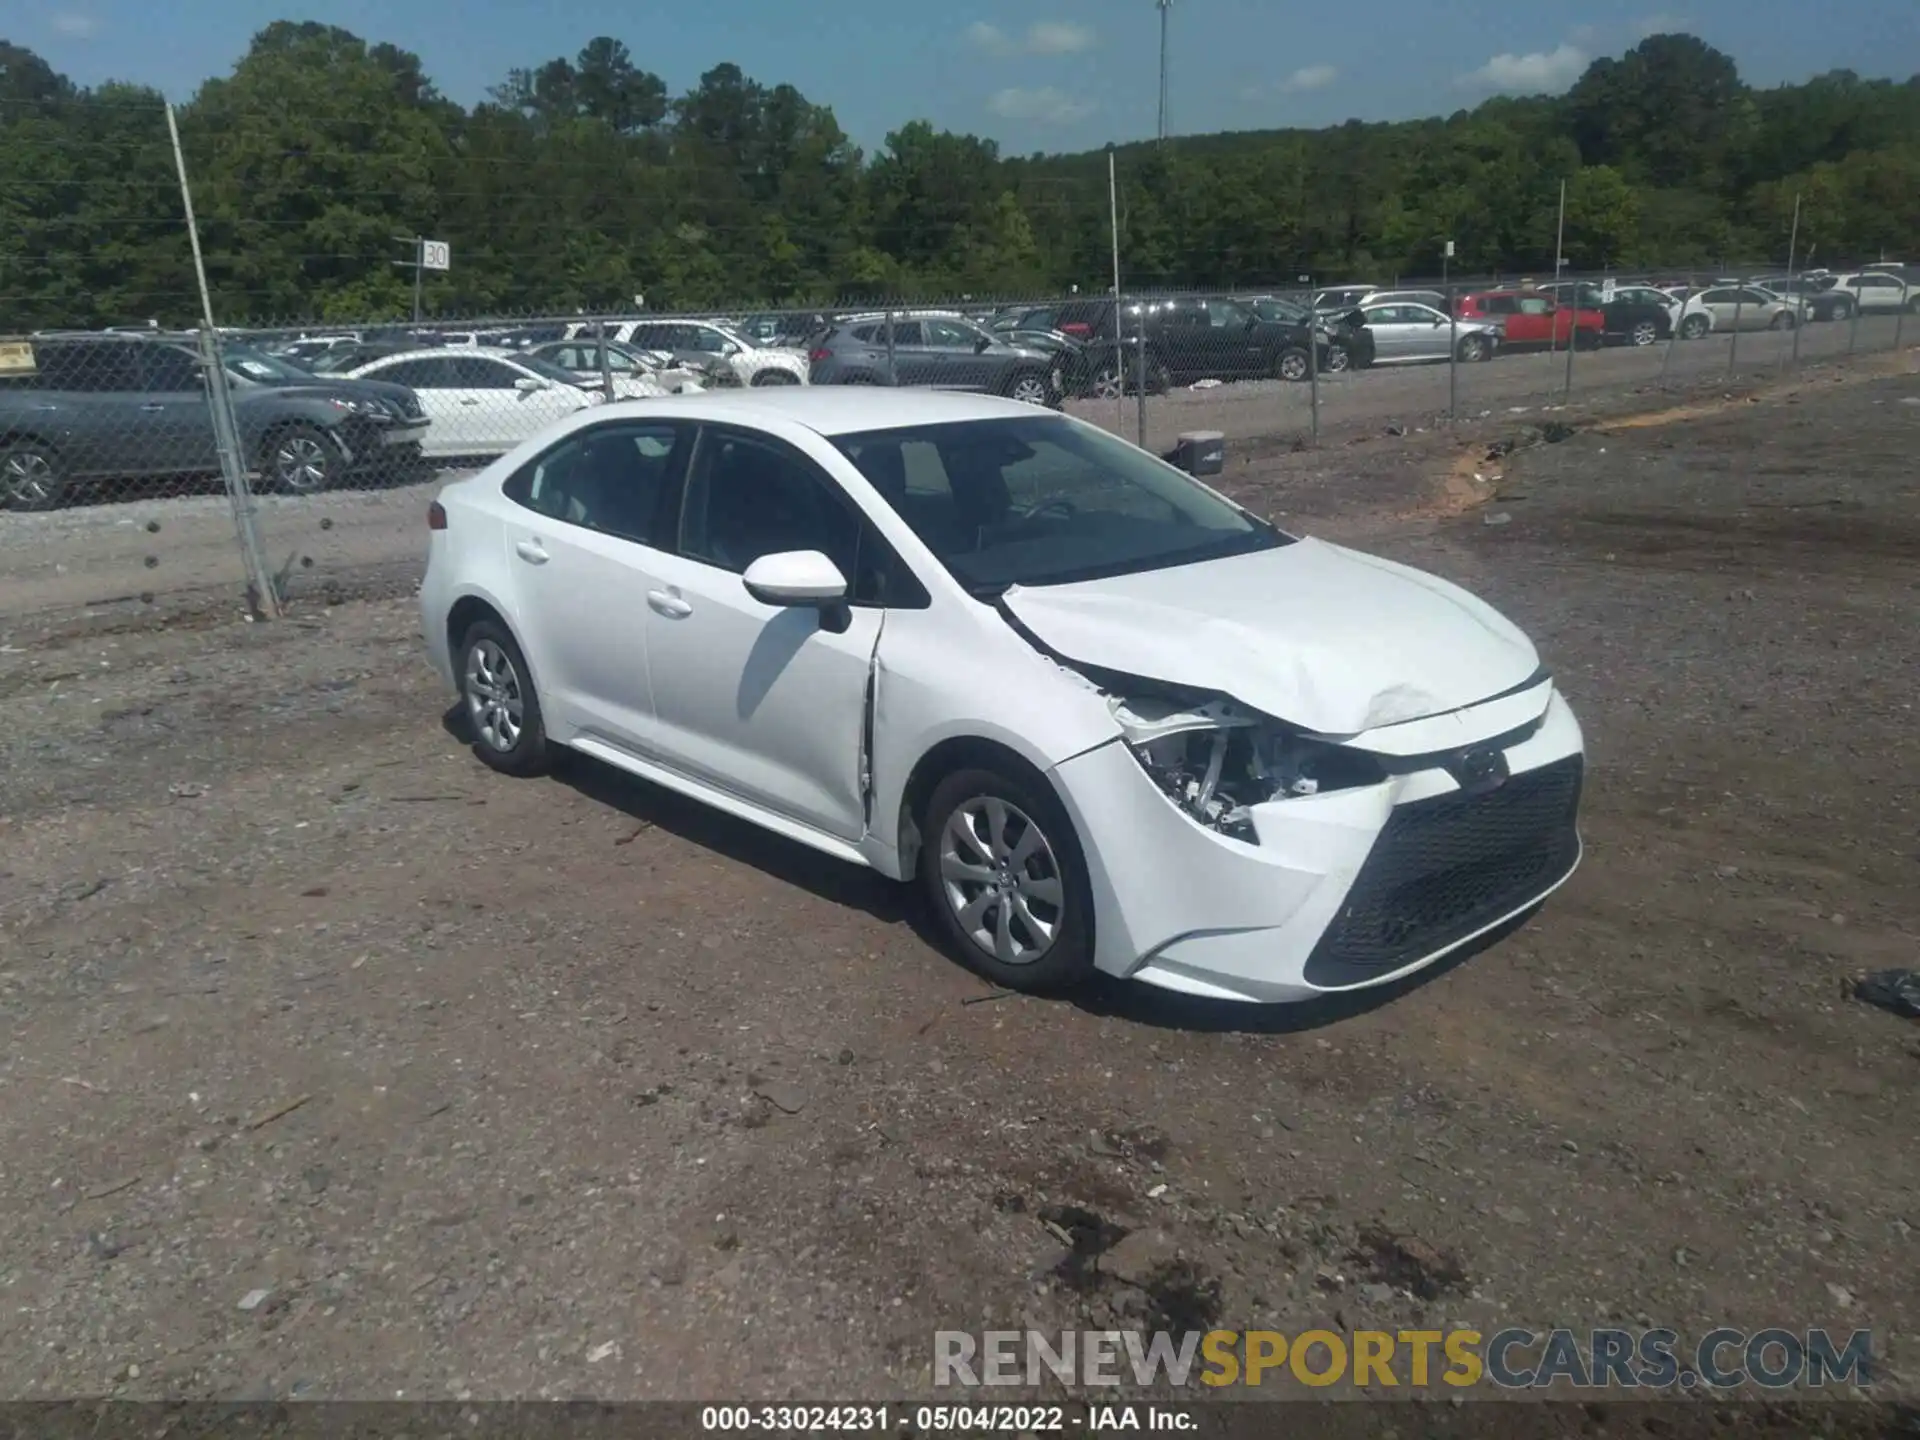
(942, 1419)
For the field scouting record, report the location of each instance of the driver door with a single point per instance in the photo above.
(759, 701)
(962, 365)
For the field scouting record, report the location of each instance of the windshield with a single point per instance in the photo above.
(264, 369)
(1045, 500)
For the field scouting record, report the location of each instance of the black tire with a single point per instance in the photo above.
(1644, 333)
(299, 459)
(962, 801)
(1473, 349)
(1695, 327)
(31, 476)
(1339, 360)
(1843, 311)
(1783, 321)
(860, 377)
(513, 745)
(1913, 306)
(1032, 387)
(774, 377)
(1292, 365)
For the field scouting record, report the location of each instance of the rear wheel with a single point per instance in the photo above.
(1644, 333)
(30, 477)
(1293, 365)
(1004, 876)
(1473, 348)
(1695, 327)
(1782, 321)
(1338, 359)
(1030, 387)
(775, 377)
(1843, 310)
(499, 702)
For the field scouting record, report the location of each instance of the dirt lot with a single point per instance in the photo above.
(339, 1066)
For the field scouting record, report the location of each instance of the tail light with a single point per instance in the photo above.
(1076, 328)
(436, 516)
(814, 357)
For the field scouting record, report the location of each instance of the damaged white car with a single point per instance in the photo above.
(1105, 718)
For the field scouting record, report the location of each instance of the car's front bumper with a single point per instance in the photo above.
(1346, 890)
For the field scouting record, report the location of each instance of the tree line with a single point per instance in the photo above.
(581, 183)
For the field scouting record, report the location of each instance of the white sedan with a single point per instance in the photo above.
(485, 402)
(1105, 718)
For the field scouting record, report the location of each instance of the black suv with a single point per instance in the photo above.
(1191, 338)
(944, 351)
(82, 408)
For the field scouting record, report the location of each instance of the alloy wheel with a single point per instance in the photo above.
(1029, 390)
(1001, 880)
(1109, 384)
(1338, 360)
(300, 463)
(495, 704)
(1645, 333)
(28, 480)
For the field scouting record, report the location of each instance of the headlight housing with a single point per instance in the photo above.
(1216, 761)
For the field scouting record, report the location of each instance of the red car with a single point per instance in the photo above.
(1529, 317)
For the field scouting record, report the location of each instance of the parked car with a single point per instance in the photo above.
(1528, 317)
(1071, 358)
(582, 359)
(1432, 299)
(1191, 338)
(79, 410)
(1120, 724)
(1405, 332)
(1349, 341)
(1726, 308)
(1877, 293)
(1816, 292)
(701, 340)
(1628, 316)
(483, 402)
(947, 352)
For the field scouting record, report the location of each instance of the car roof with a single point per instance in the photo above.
(457, 352)
(831, 410)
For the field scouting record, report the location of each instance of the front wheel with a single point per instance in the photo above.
(1782, 321)
(1293, 365)
(1338, 360)
(1004, 876)
(1473, 349)
(30, 477)
(1843, 311)
(775, 377)
(497, 696)
(1645, 333)
(1695, 327)
(301, 460)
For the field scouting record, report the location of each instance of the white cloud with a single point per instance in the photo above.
(74, 26)
(1661, 24)
(1540, 72)
(1058, 37)
(1043, 37)
(1309, 77)
(1046, 105)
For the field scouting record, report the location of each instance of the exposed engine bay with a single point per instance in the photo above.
(1216, 759)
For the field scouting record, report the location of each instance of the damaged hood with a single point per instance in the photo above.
(1314, 634)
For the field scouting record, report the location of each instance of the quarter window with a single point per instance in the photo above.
(611, 478)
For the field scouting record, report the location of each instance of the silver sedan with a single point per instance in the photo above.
(1404, 332)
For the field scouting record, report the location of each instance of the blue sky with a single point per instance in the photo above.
(1044, 74)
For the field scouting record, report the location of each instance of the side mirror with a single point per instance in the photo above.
(801, 580)
(527, 384)
(980, 345)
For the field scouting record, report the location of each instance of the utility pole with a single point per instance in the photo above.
(1166, 11)
(418, 244)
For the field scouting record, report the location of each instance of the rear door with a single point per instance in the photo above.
(1396, 329)
(914, 361)
(963, 365)
(176, 400)
(434, 379)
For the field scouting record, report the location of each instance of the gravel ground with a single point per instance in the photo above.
(339, 1066)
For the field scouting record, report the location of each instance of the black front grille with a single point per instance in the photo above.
(1446, 867)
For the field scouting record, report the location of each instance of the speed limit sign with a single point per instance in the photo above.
(436, 255)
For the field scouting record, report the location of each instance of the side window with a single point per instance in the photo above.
(170, 371)
(948, 336)
(1501, 305)
(435, 374)
(477, 372)
(706, 340)
(747, 497)
(611, 478)
(88, 367)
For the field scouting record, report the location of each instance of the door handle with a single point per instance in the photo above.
(531, 552)
(671, 606)
(471, 400)
(152, 409)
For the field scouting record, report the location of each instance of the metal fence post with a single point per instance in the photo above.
(1453, 354)
(263, 592)
(1673, 338)
(1313, 370)
(1120, 358)
(1910, 297)
(893, 375)
(1853, 324)
(1140, 381)
(606, 363)
(1733, 350)
(1573, 344)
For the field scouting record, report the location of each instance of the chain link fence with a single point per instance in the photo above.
(276, 466)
